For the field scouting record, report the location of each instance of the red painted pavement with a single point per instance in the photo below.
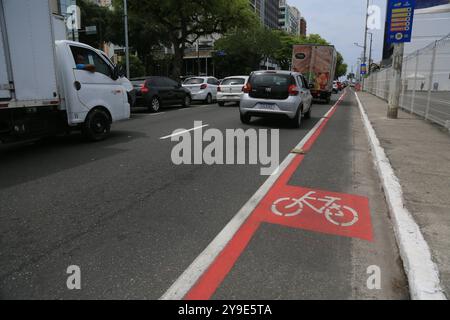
(307, 219)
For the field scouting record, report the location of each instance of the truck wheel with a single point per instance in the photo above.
(97, 125)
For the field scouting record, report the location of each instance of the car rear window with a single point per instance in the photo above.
(270, 80)
(233, 81)
(194, 81)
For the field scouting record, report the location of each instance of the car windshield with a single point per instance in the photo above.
(194, 81)
(233, 81)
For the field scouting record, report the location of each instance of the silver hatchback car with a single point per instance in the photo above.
(274, 93)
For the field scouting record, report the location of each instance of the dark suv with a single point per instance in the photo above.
(155, 92)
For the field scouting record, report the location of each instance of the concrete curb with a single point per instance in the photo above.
(422, 273)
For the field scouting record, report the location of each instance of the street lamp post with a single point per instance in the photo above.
(370, 53)
(365, 39)
(127, 49)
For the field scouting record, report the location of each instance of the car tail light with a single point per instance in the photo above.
(219, 89)
(144, 88)
(247, 88)
(203, 86)
(293, 90)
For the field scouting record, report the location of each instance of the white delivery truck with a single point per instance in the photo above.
(318, 64)
(44, 88)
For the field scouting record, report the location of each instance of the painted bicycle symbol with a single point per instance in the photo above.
(337, 214)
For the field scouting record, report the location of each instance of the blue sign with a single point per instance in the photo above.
(364, 69)
(420, 4)
(400, 20)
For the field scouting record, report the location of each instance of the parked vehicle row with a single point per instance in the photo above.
(156, 92)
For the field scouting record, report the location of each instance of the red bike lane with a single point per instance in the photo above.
(295, 207)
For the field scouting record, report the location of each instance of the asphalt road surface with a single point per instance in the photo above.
(134, 222)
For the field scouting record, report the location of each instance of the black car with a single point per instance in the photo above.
(156, 92)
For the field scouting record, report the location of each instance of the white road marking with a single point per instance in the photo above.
(178, 133)
(423, 275)
(191, 275)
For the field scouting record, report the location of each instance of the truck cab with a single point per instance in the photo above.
(44, 89)
(85, 90)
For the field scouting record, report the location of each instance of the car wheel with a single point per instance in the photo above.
(187, 101)
(155, 105)
(307, 115)
(297, 121)
(97, 125)
(209, 99)
(221, 104)
(245, 118)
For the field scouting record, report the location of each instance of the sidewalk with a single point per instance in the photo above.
(419, 153)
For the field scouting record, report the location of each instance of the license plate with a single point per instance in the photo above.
(265, 106)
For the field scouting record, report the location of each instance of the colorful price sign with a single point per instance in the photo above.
(400, 20)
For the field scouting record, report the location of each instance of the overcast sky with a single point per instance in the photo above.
(341, 22)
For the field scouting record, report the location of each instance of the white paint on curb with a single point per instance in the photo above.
(192, 274)
(422, 273)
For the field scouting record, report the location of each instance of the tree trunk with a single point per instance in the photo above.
(177, 65)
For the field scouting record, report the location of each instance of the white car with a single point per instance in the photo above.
(202, 88)
(231, 89)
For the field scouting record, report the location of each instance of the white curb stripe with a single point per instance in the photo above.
(422, 273)
(192, 274)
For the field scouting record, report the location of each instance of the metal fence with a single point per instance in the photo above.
(425, 82)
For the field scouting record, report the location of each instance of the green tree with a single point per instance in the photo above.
(94, 15)
(182, 22)
(244, 50)
(137, 68)
(341, 67)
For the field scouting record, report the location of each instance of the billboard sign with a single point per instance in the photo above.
(400, 17)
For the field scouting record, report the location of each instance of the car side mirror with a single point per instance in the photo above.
(115, 73)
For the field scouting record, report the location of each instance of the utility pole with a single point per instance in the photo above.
(365, 41)
(370, 53)
(127, 48)
(396, 81)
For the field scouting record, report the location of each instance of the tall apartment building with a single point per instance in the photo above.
(267, 11)
(289, 18)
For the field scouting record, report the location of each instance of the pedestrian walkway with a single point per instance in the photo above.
(419, 153)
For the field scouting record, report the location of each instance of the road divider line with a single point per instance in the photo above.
(179, 133)
(422, 273)
(191, 276)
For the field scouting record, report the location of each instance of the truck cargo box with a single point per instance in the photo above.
(27, 54)
(318, 64)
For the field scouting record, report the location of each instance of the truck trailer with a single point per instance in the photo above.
(318, 64)
(43, 89)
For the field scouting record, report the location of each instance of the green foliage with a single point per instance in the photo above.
(95, 15)
(176, 23)
(245, 49)
(137, 68)
(341, 67)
